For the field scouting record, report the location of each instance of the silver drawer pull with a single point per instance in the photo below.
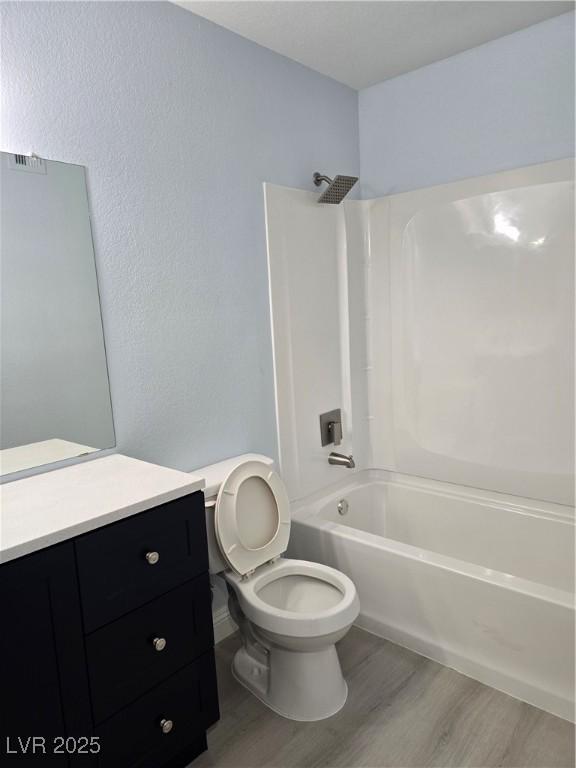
(152, 558)
(159, 643)
(166, 725)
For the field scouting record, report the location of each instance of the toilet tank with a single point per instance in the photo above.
(214, 475)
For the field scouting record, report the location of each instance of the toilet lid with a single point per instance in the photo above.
(252, 516)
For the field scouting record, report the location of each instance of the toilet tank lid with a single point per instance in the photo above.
(215, 474)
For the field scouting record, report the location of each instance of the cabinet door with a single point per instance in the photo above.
(43, 689)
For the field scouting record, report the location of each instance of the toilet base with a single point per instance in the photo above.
(304, 686)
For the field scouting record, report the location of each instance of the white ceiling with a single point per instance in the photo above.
(361, 43)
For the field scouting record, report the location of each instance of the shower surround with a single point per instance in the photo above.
(441, 322)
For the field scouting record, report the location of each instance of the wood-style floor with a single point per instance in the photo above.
(402, 710)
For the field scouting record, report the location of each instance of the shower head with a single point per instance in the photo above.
(337, 188)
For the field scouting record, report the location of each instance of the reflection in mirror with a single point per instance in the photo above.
(55, 398)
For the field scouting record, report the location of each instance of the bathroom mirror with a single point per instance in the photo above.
(54, 391)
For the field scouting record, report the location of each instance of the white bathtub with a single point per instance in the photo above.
(478, 581)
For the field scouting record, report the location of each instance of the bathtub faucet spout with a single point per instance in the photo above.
(340, 460)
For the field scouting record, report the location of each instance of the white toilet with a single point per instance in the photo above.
(290, 612)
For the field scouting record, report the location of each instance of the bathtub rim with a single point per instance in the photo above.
(484, 497)
(306, 512)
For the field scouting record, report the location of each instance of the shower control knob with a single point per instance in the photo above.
(152, 558)
(159, 643)
(166, 725)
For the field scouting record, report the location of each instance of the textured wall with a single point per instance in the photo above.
(178, 122)
(503, 105)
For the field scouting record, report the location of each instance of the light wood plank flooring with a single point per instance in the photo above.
(403, 711)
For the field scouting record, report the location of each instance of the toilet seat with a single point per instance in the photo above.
(297, 623)
(291, 598)
(252, 517)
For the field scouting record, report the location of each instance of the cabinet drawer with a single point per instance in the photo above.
(131, 562)
(134, 738)
(123, 660)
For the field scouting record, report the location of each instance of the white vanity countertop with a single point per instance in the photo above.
(46, 509)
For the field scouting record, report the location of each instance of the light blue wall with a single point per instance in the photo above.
(502, 105)
(178, 122)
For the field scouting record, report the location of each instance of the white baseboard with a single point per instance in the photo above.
(224, 624)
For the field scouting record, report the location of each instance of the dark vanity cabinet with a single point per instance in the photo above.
(106, 645)
(43, 677)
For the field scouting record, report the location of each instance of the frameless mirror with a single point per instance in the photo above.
(54, 391)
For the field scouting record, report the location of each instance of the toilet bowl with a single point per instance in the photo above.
(290, 612)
